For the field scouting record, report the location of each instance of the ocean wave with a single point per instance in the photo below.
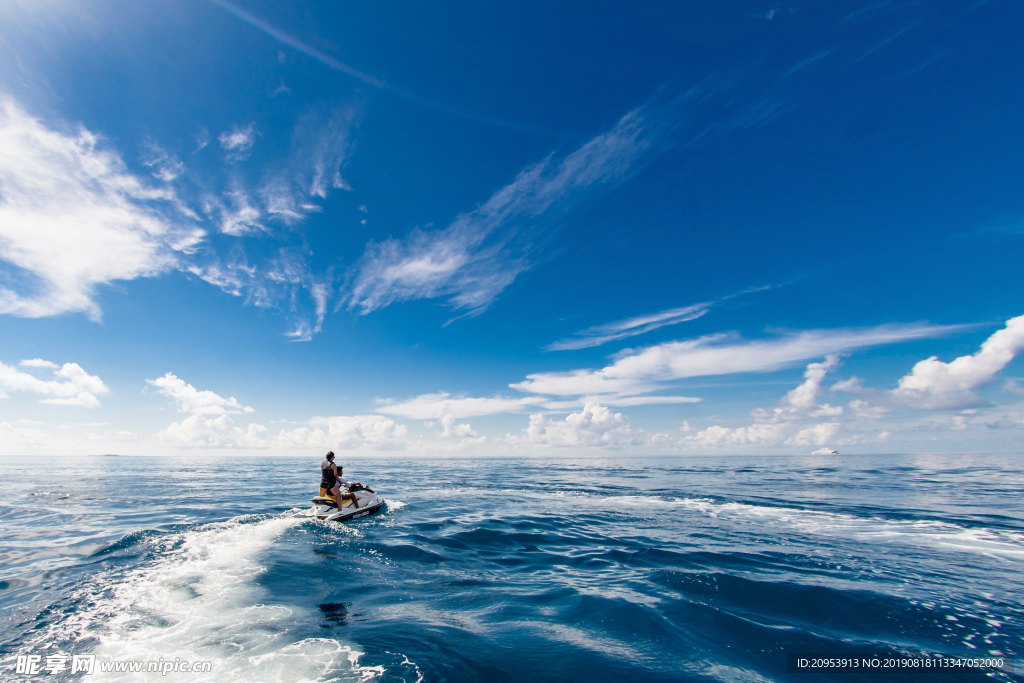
(198, 598)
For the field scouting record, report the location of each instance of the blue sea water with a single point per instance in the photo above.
(554, 569)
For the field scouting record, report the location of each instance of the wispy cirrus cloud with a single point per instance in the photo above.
(482, 252)
(238, 142)
(73, 218)
(441, 405)
(437, 406)
(630, 327)
(646, 370)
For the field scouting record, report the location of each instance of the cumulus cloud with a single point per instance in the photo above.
(72, 218)
(219, 432)
(368, 432)
(935, 385)
(72, 385)
(238, 142)
(464, 431)
(481, 252)
(862, 408)
(602, 334)
(759, 434)
(783, 424)
(641, 371)
(595, 425)
(818, 435)
(191, 400)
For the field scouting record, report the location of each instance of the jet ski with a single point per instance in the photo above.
(326, 507)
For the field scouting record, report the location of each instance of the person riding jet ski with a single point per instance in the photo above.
(330, 480)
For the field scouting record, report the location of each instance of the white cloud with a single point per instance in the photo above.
(818, 435)
(481, 252)
(72, 218)
(237, 213)
(602, 334)
(864, 409)
(15, 440)
(39, 363)
(238, 142)
(640, 371)
(757, 434)
(192, 400)
(202, 139)
(166, 166)
(197, 431)
(436, 406)
(73, 386)
(595, 425)
(805, 397)
(629, 401)
(853, 385)
(934, 385)
(370, 432)
(782, 424)
(459, 431)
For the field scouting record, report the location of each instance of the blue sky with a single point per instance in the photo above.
(510, 228)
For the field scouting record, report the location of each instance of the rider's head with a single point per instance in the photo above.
(330, 455)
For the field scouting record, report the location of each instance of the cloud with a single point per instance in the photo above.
(783, 423)
(602, 334)
(640, 371)
(440, 405)
(450, 430)
(166, 166)
(238, 142)
(39, 363)
(934, 385)
(369, 432)
(191, 400)
(73, 218)
(853, 385)
(758, 434)
(220, 432)
(482, 252)
(235, 211)
(818, 435)
(437, 406)
(864, 409)
(629, 401)
(328, 60)
(595, 425)
(202, 139)
(15, 440)
(73, 386)
(322, 141)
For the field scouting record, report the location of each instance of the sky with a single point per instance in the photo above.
(239, 227)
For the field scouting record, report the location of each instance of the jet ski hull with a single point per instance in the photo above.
(325, 509)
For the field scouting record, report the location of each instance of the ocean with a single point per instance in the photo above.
(549, 568)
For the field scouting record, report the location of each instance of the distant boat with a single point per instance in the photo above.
(825, 451)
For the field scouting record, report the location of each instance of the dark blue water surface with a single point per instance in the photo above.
(573, 569)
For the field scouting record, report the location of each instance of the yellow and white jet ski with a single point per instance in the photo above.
(326, 507)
